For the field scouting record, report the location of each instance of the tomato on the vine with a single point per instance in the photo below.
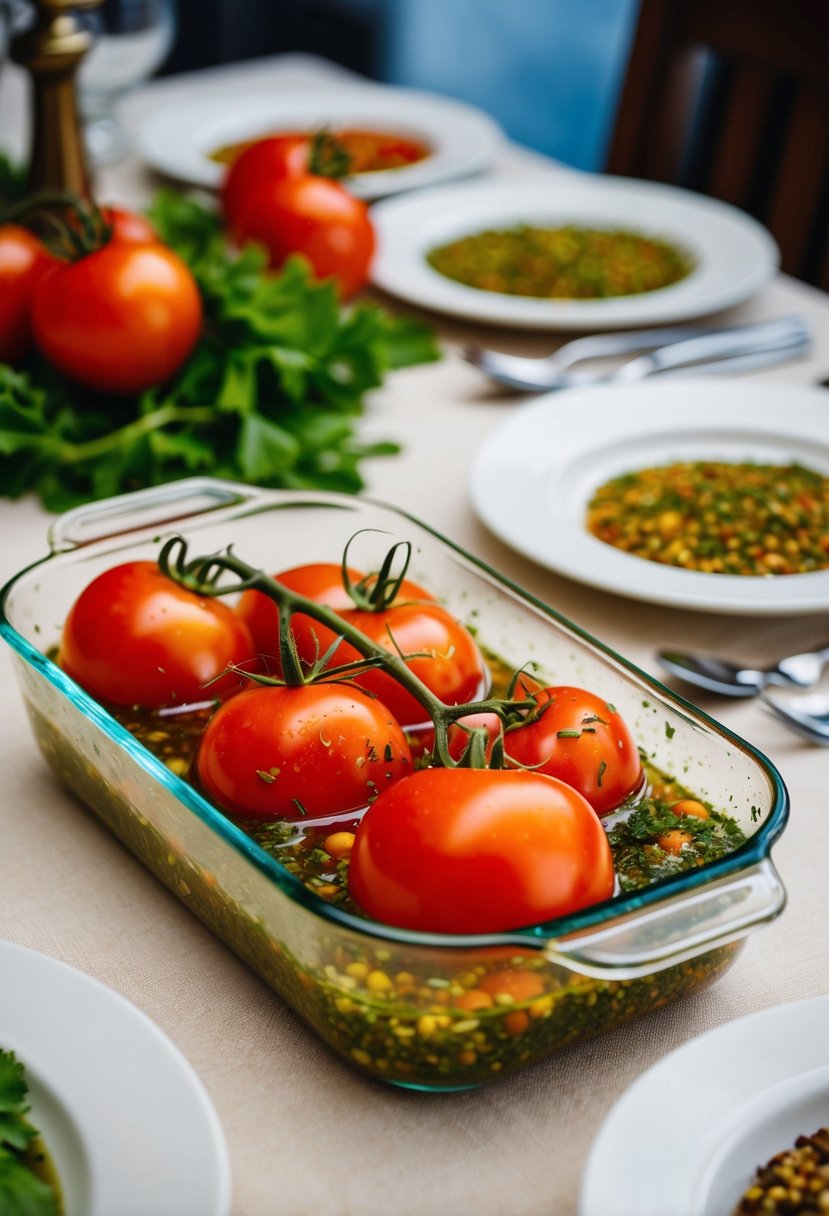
(277, 156)
(576, 736)
(24, 261)
(121, 319)
(129, 227)
(312, 216)
(135, 637)
(444, 654)
(462, 850)
(280, 752)
(321, 582)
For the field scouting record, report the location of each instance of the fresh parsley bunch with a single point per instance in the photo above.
(270, 395)
(22, 1193)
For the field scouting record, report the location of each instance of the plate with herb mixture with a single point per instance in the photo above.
(742, 1103)
(193, 140)
(126, 1121)
(742, 528)
(588, 252)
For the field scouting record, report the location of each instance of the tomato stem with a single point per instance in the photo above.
(69, 226)
(198, 575)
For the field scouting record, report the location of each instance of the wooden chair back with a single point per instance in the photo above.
(731, 98)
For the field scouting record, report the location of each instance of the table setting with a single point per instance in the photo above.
(184, 986)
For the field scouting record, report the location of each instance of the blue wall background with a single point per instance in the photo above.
(549, 70)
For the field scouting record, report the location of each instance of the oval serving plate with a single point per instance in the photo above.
(531, 481)
(126, 1120)
(178, 139)
(733, 255)
(748, 1089)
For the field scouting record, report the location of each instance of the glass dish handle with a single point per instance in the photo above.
(677, 930)
(154, 507)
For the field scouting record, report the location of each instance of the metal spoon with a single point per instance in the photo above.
(696, 349)
(731, 680)
(807, 716)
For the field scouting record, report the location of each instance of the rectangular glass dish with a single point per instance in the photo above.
(385, 998)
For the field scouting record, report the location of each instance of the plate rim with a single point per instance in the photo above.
(110, 1014)
(488, 133)
(617, 1131)
(400, 254)
(649, 582)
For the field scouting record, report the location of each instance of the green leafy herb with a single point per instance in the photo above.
(640, 859)
(22, 1193)
(601, 773)
(568, 734)
(670, 731)
(270, 395)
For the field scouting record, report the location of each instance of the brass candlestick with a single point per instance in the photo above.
(51, 50)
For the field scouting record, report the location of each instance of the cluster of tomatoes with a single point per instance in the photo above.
(442, 847)
(279, 194)
(119, 312)
(119, 317)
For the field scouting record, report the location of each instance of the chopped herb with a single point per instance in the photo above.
(611, 707)
(22, 1192)
(568, 734)
(670, 731)
(601, 773)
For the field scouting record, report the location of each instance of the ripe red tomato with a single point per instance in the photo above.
(134, 637)
(478, 851)
(121, 319)
(23, 263)
(279, 752)
(318, 581)
(129, 227)
(278, 156)
(451, 664)
(313, 216)
(578, 738)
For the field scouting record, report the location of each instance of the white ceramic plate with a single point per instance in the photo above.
(687, 1136)
(734, 255)
(128, 1123)
(531, 481)
(178, 139)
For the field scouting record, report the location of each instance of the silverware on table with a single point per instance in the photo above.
(732, 680)
(807, 716)
(738, 348)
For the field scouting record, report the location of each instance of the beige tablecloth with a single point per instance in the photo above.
(307, 1136)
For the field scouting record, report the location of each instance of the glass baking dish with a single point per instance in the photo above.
(385, 998)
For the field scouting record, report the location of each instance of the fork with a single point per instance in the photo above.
(807, 716)
(698, 346)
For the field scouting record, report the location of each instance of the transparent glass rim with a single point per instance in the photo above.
(754, 850)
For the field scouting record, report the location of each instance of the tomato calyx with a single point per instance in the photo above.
(69, 226)
(328, 156)
(203, 574)
(379, 589)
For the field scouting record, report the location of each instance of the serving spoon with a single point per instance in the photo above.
(731, 680)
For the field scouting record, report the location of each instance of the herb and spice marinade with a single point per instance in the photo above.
(405, 1014)
(718, 517)
(561, 263)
